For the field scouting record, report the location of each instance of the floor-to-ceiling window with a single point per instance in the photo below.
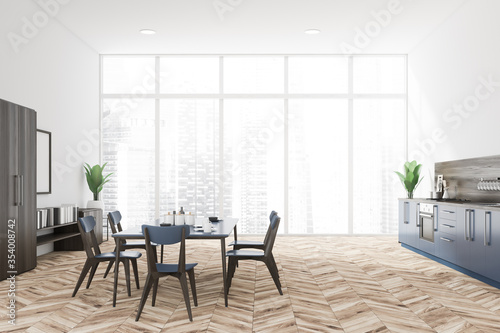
(313, 137)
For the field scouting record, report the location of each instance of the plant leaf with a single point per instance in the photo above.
(411, 178)
(401, 177)
(95, 179)
(409, 186)
(412, 166)
(416, 171)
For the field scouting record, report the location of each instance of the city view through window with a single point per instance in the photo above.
(315, 138)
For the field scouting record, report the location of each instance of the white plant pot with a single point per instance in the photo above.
(95, 204)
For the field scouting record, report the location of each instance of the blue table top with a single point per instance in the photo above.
(221, 229)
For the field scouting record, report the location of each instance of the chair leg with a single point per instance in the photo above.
(155, 253)
(235, 247)
(274, 264)
(110, 265)
(92, 272)
(136, 273)
(145, 293)
(185, 292)
(126, 264)
(155, 290)
(230, 272)
(85, 269)
(193, 286)
(276, 272)
(273, 271)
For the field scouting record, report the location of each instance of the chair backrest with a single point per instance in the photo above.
(86, 226)
(273, 213)
(269, 243)
(165, 236)
(114, 219)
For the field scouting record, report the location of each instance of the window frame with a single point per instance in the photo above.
(285, 96)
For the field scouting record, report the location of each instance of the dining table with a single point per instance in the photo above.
(220, 230)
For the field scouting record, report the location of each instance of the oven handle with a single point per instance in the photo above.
(434, 217)
(426, 214)
(418, 215)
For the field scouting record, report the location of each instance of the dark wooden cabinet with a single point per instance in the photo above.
(18, 193)
(66, 237)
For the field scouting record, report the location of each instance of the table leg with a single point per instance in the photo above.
(223, 253)
(235, 239)
(117, 263)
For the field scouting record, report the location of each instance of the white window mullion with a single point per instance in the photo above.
(406, 111)
(350, 152)
(285, 117)
(221, 139)
(157, 138)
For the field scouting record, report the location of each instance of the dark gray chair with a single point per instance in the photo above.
(86, 226)
(264, 255)
(245, 244)
(167, 236)
(114, 220)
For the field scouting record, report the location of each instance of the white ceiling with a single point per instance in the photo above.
(248, 26)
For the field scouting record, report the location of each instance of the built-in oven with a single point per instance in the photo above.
(428, 221)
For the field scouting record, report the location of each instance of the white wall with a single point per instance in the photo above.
(56, 74)
(445, 70)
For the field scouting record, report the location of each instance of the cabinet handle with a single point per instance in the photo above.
(487, 225)
(434, 217)
(21, 193)
(16, 190)
(406, 222)
(472, 225)
(466, 224)
(448, 225)
(418, 215)
(405, 212)
(446, 239)
(448, 211)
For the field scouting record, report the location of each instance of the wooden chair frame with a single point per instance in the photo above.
(265, 256)
(154, 275)
(94, 257)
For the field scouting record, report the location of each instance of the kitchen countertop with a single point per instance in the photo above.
(468, 204)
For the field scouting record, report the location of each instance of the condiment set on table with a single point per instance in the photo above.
(181, 218)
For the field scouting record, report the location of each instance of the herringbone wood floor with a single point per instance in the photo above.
(330, 284)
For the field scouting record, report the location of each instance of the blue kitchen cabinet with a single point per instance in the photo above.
(446, 247)
(408, 223)
(476, 236)
(446, 235)
(404, 220)
(492, 244)
(462, 238)
(413, 229)
(471, 251)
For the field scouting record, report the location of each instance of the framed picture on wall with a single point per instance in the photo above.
(43, 162)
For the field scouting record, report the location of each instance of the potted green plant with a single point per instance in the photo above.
(410, 179)
(96, 181)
